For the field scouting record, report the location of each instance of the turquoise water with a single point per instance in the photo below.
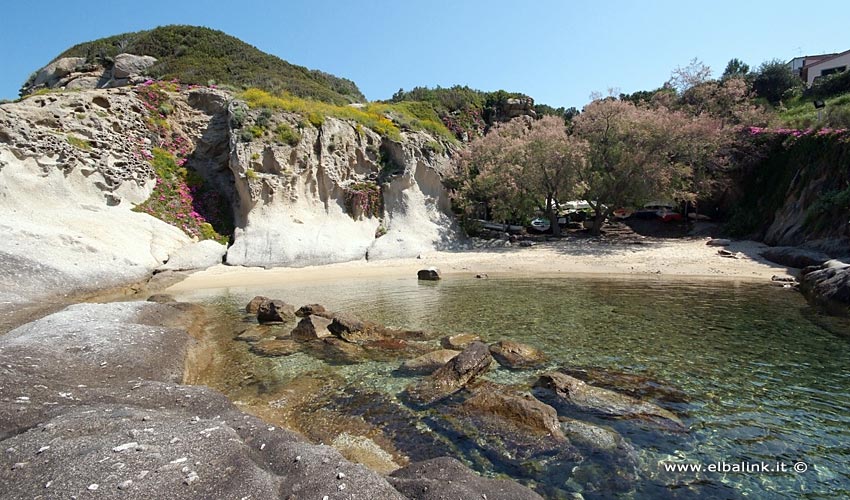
(766, 378)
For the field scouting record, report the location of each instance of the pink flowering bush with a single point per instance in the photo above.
(364, 198)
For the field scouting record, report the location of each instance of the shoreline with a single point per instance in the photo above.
(687, 259)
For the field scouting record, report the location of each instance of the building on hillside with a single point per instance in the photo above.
(798, 63)
(823, 66)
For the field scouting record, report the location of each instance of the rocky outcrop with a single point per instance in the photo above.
(828, 286)
(580, 395)
(795, 257)
(341, 192)
(474, 361)
(104, 401)
(200, 255)
(78, 73)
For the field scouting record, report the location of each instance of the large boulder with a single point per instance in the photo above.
(351, 329)
(127, 65)
(50, 74)
(275, 311)
(254, 305)
(828, 286)
(516, 355)
(795, 257)
(429, 362)
(474, 361)
(444, 477)
(430, 274)
(572, 392)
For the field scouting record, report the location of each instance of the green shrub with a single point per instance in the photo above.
(246, 136)
(256, 131)
(249, 173)
(316, 119)
(79, 143)
(287, 135)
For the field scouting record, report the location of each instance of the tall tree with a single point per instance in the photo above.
(773, 79)
(735, 68)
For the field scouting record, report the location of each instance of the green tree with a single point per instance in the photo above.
(735, 68)
(773, 79)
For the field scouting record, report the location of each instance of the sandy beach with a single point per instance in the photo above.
(669, 258)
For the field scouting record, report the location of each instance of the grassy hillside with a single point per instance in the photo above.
(201, 55)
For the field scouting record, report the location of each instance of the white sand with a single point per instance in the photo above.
(689, 259)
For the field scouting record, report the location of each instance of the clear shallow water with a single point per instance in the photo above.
(765, 380)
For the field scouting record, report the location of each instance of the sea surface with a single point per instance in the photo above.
(760, 378)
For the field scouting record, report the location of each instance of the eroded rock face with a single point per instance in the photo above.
(516, 355)
(299, 204)
(576, 393)
(77, 73)
(453, 376)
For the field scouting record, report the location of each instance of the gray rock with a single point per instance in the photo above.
(51, 73)
(828, 287)
(474, 361)
(275, 311)
(430, 274)
(210, 101)
(443, 478)
(576, 393)
(200, 255)
(127, 65)
(521, 410)
(795, 257)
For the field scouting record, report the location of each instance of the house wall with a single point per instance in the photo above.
(814, 71)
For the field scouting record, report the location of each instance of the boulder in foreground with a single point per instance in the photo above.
(474, 361)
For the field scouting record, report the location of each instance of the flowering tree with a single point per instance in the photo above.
(522, 165)
(641, 152)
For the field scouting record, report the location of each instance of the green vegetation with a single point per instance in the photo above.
(364, 199)
(202, 56)
(79, 143)
(385, 119)
(251, 174)
(801, 113)
(287, 135)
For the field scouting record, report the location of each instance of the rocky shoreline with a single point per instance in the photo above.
(103, 410)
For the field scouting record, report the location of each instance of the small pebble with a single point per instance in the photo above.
(191, 478)
(125, 485)
(340, 476)
(42, 449)
(341, 487)
(48, 484)
(93, 487)
(298, 458)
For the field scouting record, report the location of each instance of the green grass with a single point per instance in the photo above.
(800, 112)
(287, 135)
(202, 56)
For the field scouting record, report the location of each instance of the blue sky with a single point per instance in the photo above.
(559, 52)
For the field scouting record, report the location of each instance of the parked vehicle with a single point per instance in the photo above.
(658, 210)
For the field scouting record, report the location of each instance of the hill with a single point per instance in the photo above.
(198, 55)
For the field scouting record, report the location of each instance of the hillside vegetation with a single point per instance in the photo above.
(203, 56)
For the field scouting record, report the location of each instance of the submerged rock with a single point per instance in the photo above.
(430, 362)
(251, 334)
(521, 410)
(460, 341)
(335, 350)
(275, 311)
(635, 385)
(254, 305)
(574, 392)
(275, 347)
(512, 354)
(311, 328)
(453, 376)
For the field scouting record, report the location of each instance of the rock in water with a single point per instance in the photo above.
(350, 329)
(512, 354)
(828, 287)
(430, 274)
(315, 310)
(520, 410)
(275, 347)
(275, 311)
(430, 362)
(573, 392)
(311, 328)
(254, 305)
(453, 376)
(460, 341)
